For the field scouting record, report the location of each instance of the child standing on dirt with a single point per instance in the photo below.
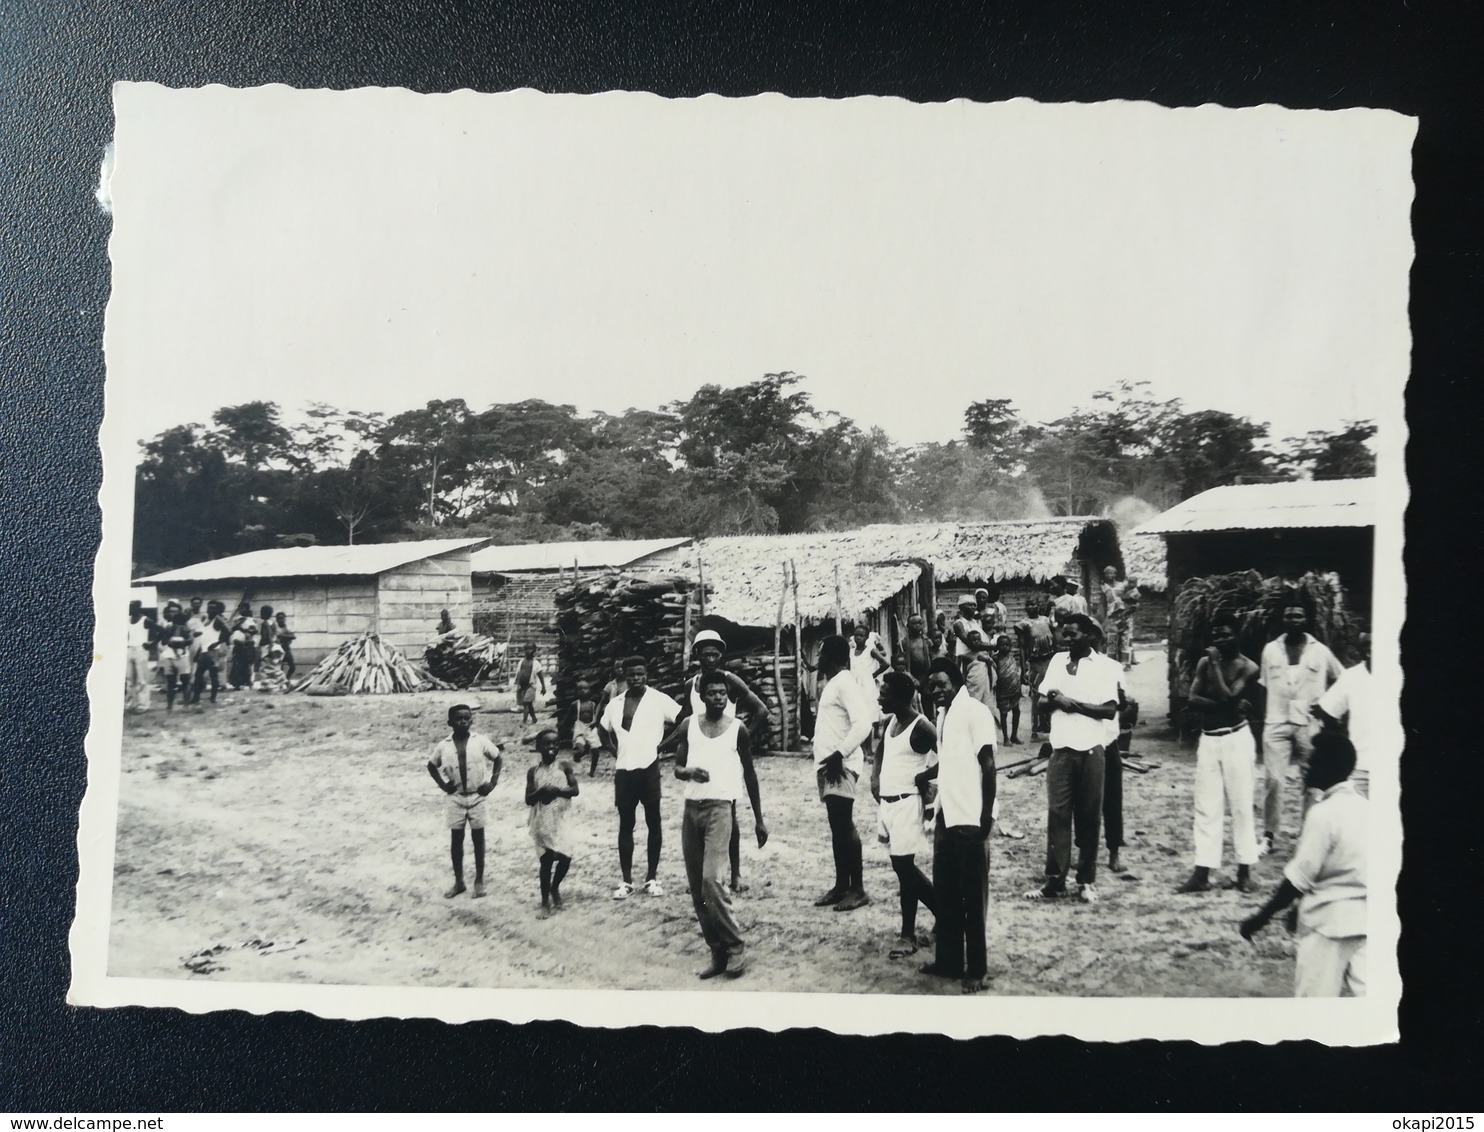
(1007, 689)
(585, 738)
(466, 767)
(550, 787)
(526, 676)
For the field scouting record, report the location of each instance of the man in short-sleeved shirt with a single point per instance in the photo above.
(966, 808)
(466, 767)
(843, 722)
(1328, 876)
(634, 724)
(1295, 670)
(1081, 689)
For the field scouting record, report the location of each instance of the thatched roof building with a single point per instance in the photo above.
(886, 568)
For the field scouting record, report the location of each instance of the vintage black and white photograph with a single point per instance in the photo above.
(874, 565)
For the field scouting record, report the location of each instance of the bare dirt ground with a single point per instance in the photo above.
(300, 839)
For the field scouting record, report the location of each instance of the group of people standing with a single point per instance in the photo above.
(930, 744)
(195, 648)
(1319, 715)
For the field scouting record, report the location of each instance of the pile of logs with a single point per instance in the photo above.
(605, 619)
(364, 666)
(462, 659)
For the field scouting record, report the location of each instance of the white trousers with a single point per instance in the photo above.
(1224, 770)
(1282, 745)
(1329, 968)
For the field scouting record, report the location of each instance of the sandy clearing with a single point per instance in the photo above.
(303, 838)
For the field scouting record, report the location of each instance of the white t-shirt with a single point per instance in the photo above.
(1095, 682)
(843, 721)
(718, 757)
(1349, 699)
(138, 634)
(638, 747)
(1329, 865)
(963, 731)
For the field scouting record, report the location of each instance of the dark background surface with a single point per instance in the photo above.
(57, 62)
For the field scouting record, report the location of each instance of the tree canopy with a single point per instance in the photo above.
(756, 458)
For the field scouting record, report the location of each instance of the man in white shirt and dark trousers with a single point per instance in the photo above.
(715, 762)
(843, 722)
(966, 801)
(634, 725)
(1295, 670)
(1081, 689)
(1328, 877)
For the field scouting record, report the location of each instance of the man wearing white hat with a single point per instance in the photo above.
(708, 648)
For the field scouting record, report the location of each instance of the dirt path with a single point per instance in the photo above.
(300, 839)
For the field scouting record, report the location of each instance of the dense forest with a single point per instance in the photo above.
(757, 458)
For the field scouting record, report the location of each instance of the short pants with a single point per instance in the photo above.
(899, 826)
(843, 787)
(637, 787)
(173, 663)
(465, 808)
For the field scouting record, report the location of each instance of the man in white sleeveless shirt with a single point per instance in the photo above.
(708, 648)
(906, 745)
(714, 760)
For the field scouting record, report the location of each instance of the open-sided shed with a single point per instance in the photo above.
(331, 594)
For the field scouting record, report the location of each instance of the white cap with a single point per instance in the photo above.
(708, 635)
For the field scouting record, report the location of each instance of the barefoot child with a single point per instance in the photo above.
(1007, 689)
(527, 673)
(466, 767)
(550, 788)
(586, 742)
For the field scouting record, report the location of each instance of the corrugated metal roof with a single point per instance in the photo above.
(596, 555)
(306, 561)
(1271, 506)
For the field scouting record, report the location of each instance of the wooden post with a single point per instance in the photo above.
(685, 635)
(778, 664)
(701, 581)
(793, 574)
(837, 599)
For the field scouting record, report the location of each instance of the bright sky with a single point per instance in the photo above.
(377, 249)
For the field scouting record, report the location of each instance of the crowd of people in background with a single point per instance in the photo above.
(188, 652)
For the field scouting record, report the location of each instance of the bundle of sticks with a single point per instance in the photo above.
(1257, 604)
(365, 665)
(462, 659)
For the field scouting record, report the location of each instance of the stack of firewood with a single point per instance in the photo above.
(615, 616)
(363, 666)
(462, 659)
(608, 618)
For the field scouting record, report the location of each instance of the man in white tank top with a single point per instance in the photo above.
(714, 760)
(906, 744)
(708, 648)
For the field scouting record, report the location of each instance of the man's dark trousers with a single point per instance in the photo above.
(1074, 806)
(961, 885)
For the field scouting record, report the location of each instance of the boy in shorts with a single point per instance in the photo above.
(466, 767)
